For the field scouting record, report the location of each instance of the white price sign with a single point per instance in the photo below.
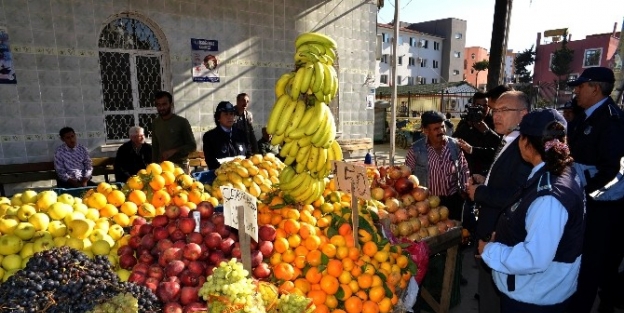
(348, 173)
(233, 198)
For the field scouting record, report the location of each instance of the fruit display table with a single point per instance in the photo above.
(448, 241)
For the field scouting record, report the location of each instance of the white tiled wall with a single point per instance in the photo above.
(54, 46)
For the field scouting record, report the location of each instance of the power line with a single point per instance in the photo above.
(410, 1)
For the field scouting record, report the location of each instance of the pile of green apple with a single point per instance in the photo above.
(31, 222)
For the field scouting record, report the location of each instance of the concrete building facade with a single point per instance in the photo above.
(473, 55)
(71, 56)
(419, 57)
(453, 31)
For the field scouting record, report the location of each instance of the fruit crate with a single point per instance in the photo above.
(205, 177)
(79, 192)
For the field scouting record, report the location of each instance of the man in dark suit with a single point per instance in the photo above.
(597, 139)
(507, 175)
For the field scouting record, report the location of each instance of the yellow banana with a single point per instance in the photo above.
(322, 159)
(287, 174)
(296, 84)
(286, 148)
(301, 167)
(307, 116)
(318, 77)
(312, 159)
(277, 139)
(285, 117)
(317, 48)
(276, 112)
(317, 118)
(294, 149)
(331, 54)
(337, 151)
(296, 117)
(335, 82)
(305, 185)
(280, 85)
(315, 37)
(329, 135)
(330, 158)
(289, 160)
(304, 141)
(297, 133)
(319, 95)
(302, 154)
(306, 57)
(321, 132)
(327, 79)
(307, 78)
(294, 182)
(307, 193)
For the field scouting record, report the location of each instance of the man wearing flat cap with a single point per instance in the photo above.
(224, 140)
(596, 140)
(439, 163)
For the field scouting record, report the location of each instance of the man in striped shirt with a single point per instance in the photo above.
(72, 162)
(439, 163)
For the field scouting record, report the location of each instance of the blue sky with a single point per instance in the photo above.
(527, 19)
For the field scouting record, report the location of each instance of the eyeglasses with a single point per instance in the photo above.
(503, 110)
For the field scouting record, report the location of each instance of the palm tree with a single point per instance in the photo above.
(480, 66)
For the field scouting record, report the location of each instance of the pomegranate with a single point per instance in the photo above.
(401, 215)
(392, 205)
(434, 201)
(434, 216)
(420, 193)
(444, 213)
(422, 207)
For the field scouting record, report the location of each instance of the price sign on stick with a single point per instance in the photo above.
(348, 175)
(233, 200)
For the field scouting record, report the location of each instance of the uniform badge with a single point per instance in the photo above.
(587, 130)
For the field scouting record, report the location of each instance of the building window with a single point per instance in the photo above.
(400, 40)
(455, 72)
(399, 79)
(411, 61)
(384, 58)
(435, 64)
(592, 57)
(550, 60)
(385, 37)
(434, 80)
(423, 63)
(458, 35)
(436, 45)
(131, 67)
(400, 61)
(471, 71)
(424, 43)
(472, 56)
(411, 81)
(457, 54)
(412, 42)
(383, 79)
(423, 80)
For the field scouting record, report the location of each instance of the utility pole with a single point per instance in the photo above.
(498, 44)
(393, 102)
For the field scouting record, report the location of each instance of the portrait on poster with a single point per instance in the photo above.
(205, 61)
(7, 73)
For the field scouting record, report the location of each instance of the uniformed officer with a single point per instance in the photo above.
(224, 140)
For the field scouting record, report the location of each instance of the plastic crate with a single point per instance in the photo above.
(205, 177)
(79, 192)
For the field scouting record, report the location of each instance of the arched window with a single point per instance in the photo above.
(131, 68)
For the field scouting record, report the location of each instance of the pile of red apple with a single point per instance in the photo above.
(413, 212)
(169, 257)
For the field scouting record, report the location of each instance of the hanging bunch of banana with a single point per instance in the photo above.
(301, 121)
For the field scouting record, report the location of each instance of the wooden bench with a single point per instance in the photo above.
(355, 147)
(31, 172)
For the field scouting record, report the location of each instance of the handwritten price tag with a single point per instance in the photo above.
(234, 198)
(347, 173)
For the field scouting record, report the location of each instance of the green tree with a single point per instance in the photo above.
(524, 59)
(561, 64)
(479, 67)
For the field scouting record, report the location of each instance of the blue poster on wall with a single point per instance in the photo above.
(205, 62)
(7, 73)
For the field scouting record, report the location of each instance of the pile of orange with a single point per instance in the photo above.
(147, 194)
(315, 255)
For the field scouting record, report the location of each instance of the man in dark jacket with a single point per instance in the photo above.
(508, 174)
(244, 122)
(224, 140)
(597, 139)
(133, 155)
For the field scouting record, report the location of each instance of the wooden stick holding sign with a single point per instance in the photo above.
(240, 211)
(352, 178)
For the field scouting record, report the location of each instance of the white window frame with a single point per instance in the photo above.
(585, 57)
(385, 37)
(435, 64)
(423, 63)
(411, 61)
(455, 72)
(399, 79)
(400, 60)
(383, 79)
(434, 80)
(457, 54)
(384, 58)
(436, 45)
(458, 35)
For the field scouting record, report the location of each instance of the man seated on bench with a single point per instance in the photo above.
(72, 163)
(133, 155)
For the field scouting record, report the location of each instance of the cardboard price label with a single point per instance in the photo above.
(233, 199)
(352, 178)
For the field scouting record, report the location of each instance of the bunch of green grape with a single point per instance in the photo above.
(295, 303)
(269, 294)
(121, 303)
(230, 286)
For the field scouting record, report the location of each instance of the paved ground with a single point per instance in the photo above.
(469, 270)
